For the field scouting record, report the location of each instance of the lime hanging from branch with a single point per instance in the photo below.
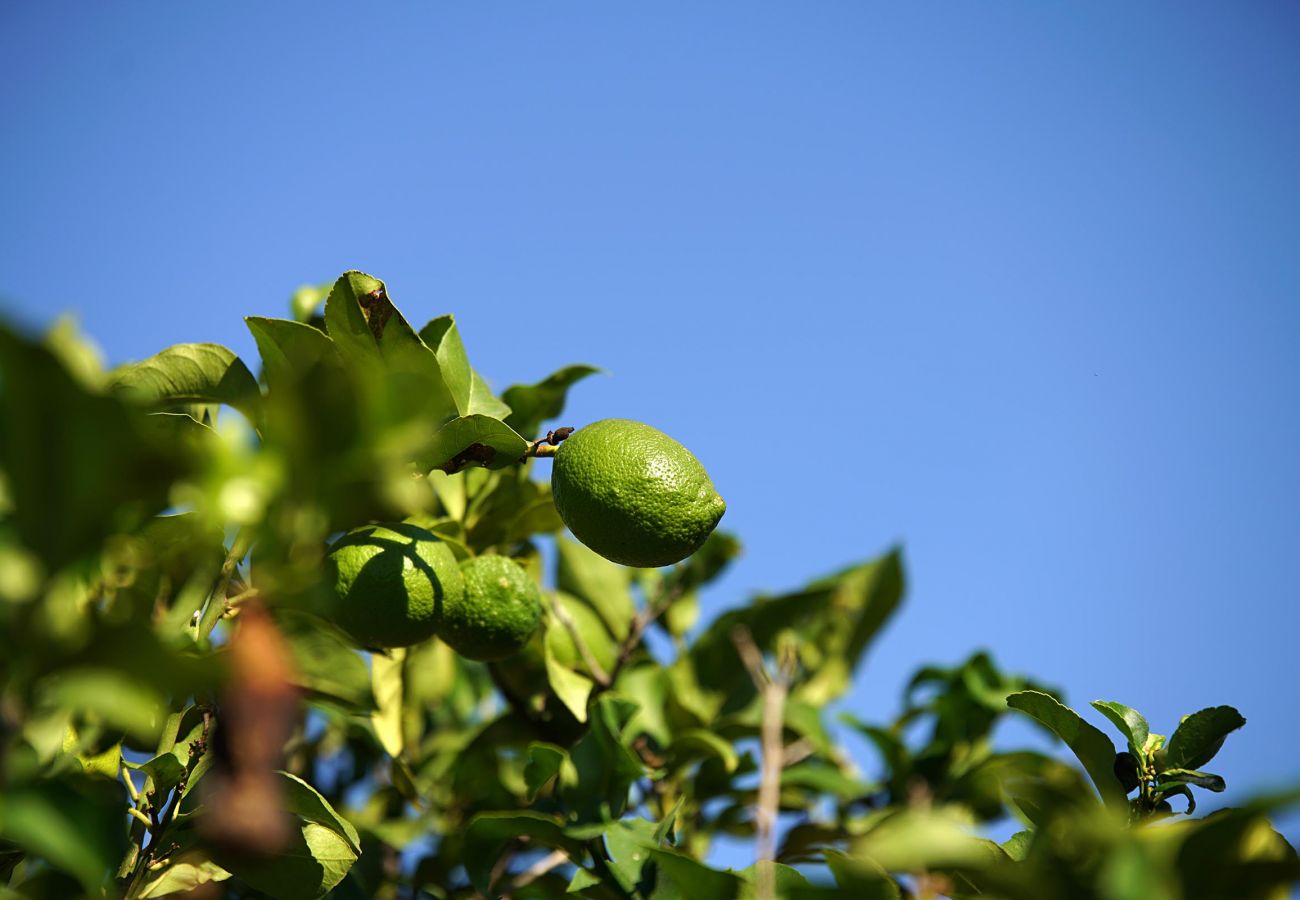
(633, 494)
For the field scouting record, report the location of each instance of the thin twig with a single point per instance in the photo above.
(538, 869)
(644, 619)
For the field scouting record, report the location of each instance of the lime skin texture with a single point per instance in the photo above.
(633, 494)
(498, 613)
(391, 583)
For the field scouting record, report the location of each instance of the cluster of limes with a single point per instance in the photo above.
(626, 490)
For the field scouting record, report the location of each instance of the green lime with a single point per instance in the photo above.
(498, 612)
(390, 582)
(633, 494)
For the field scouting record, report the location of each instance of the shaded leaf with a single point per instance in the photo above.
(533, 404)
(317, 859)
(601, 584)
(1170, 777)
(544, 763)
(1199, 737)
(304, 801)
(74, 822)
(325, 664)
(183, 872)
(475, 440)
(1089, 744)
(490, 833)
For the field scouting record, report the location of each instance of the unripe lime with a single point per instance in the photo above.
(498, 612)
(633, 494)
(390, 582)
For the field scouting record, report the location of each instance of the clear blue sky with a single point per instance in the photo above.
(1014, 284)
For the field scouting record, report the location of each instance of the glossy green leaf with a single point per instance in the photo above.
(1089, 744)
(680, 877)
(1129, 721)
(190, 373)
(533, 404)
(601, 584)
(290, 350)
(1199, 737)
(475, 440)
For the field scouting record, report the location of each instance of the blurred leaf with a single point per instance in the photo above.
(307, 300)
(80, 466)
(544, 763)
(697, 744)
(1089, 744)
(475, 439)
(1130, 723)
(785, 880)
(601, 584)
(629, 843)
(1236, 853)
(572, 688)
(490, 833)
(74, 821)
(864, 878)
(114, 698)
(290, 350)
(1017, 846)
(679, 877)
(835, 619)
(605, 765)
(190, 373)
(386, 678)
(1199, 737)
(326, 665)
(165, 770)
(531, 405)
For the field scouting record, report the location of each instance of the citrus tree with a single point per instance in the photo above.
(319, 630)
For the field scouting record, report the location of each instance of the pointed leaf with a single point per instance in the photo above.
(533, 404)
(544, 763)
(386, 681)
(1170, 777)
(1089, 744)
(1130, 722)
(1200, 736)
(304, 801)
(442, 337)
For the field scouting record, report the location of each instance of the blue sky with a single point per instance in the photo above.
(1014, 285)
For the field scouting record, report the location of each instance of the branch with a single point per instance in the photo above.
(773, 690)
(537, 870)
(652, 611)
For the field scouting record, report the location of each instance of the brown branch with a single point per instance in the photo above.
(537, 870)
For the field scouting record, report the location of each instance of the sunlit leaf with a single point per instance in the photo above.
(190, 373)
(1089, 744)
(1200, 735)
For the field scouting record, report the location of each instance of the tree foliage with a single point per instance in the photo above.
(178, 713)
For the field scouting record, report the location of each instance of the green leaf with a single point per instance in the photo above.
(475, 439)
(1017, 846)
(572, 688)
(316, 860)
(533, 404)
(386, 681)
(681, 877)
(1170, 777)
(112, 697)
(544, 763)
(190, 373)
(290, 350)
(490, 833)
(164, 769)
(785, 879)
(307, 300)
(304, 801)
(1130, 723)
(80, 466)
(629, 843)
(582, 879)
(483, 401)
(698, 743)
(182, 873)
(326, 665)
(601, 584)
(861, 878)
(74, 822)
(442, 337)
(1200, 735)
(606, 767)
(1089, 744)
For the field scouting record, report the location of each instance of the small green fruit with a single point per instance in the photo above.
(498, 613)
(633, 494)
(390, 583)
